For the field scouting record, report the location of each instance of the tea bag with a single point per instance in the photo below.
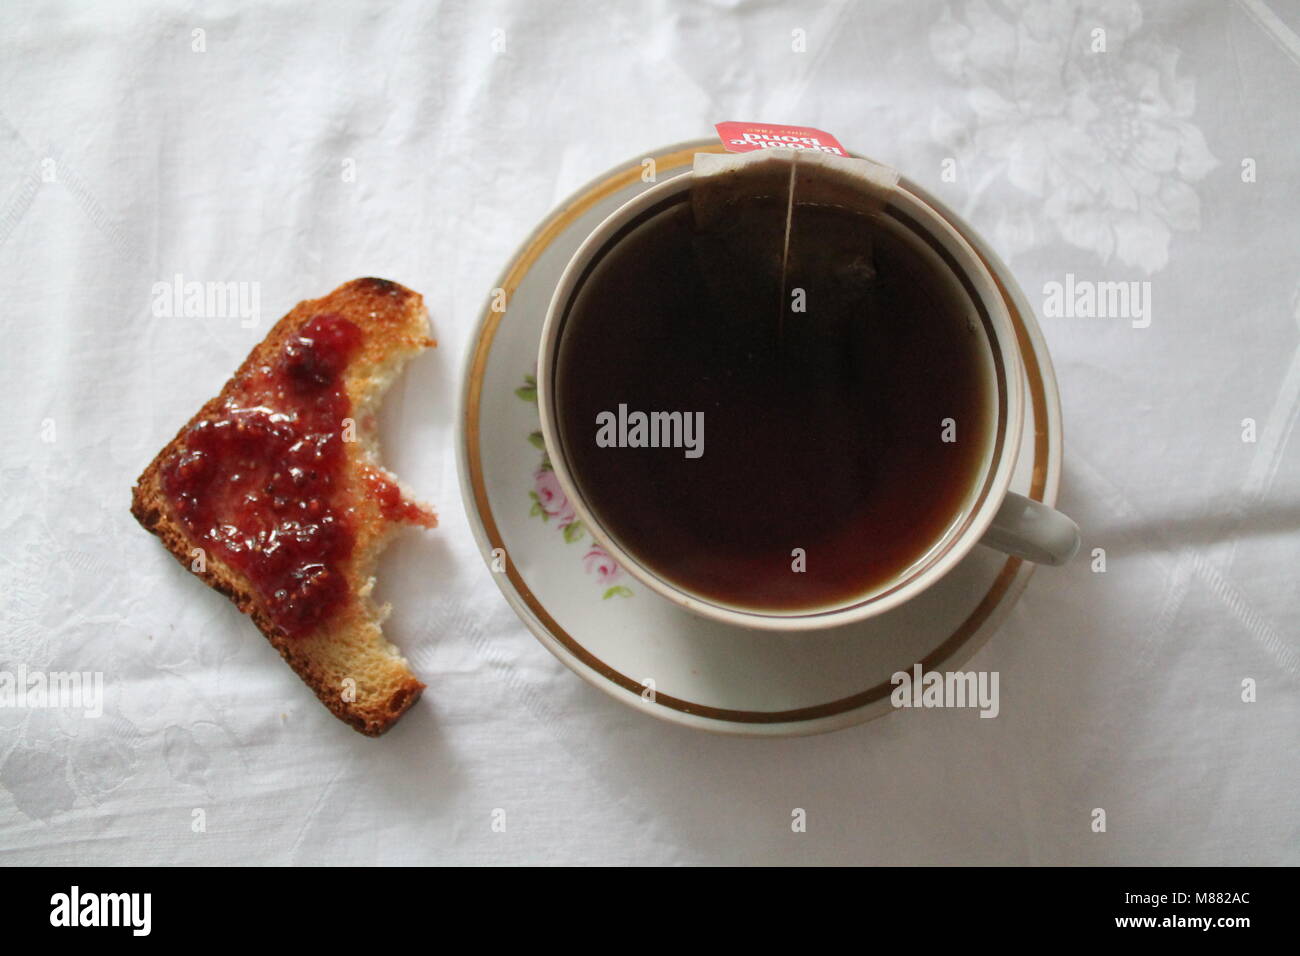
(841, 276)
(721, 179)
(740, 203)
(748, 240)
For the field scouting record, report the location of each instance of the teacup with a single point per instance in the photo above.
(989, 514)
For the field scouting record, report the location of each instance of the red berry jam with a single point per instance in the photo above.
(263, 483)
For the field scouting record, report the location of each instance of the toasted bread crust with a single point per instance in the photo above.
(350, 644)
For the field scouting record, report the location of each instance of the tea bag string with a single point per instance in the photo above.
(785, 250)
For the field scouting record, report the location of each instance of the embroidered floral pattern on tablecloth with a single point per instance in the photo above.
(1103, 138)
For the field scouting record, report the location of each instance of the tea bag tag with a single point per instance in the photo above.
(744, 137)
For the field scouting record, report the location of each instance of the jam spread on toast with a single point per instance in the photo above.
(263, 482)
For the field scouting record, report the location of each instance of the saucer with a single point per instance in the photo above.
(641, 648)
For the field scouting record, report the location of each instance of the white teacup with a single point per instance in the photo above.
(990, 515)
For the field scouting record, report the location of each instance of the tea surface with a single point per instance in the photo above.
(823, 469)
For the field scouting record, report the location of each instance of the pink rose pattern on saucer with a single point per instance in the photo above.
(550, 501)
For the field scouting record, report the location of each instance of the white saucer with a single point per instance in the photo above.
(640, 648)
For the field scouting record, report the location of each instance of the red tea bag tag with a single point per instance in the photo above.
(747, 137)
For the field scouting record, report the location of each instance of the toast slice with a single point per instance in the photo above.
(273, 494)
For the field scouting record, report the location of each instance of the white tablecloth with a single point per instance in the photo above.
(308, 144)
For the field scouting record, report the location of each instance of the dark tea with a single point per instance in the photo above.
(781, 411)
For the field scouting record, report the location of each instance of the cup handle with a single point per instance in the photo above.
(1029, 529)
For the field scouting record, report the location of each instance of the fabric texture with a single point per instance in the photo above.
(294, 147)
